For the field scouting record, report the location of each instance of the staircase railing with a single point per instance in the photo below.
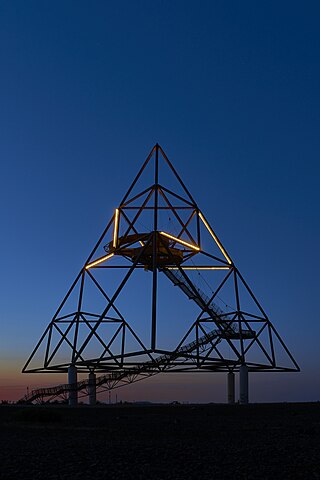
(120, 375)
(200, 297)
(230, 328)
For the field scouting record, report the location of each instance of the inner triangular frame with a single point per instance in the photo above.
(216, 341)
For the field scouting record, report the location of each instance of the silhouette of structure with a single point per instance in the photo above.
(115, 320)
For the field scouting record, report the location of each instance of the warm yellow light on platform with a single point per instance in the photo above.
(141, 243)
(100, 260)
(199, 268)
(116, 226)
(194, 247)
(215, 239)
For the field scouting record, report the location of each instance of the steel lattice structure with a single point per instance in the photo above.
(158, 237)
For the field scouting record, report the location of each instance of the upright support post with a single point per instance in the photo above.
(72, 380)
(154, 253)
(244, 385)
(231, 387)
(92, 389)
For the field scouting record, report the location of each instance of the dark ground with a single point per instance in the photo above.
(273, 441)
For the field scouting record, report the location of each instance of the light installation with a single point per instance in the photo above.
(110, 321)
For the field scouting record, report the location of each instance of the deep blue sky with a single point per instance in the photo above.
(231, 92)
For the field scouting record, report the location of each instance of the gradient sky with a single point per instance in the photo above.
(231, 92)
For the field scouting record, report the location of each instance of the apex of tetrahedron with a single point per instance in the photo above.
(159, 292)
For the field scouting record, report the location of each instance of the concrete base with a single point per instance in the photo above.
(244, 384)
(72, 380)
(231, 387)
(92, 389)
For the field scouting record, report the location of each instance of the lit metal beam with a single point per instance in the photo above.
(226, 256)
(178, 240)
(100, 260)
(116, 228)
(198, 268)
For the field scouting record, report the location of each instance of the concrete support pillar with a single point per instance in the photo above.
(72, 380)
(231, 387)
(92, 389)
(244, 384)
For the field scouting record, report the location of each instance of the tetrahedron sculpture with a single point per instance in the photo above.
(159, 293)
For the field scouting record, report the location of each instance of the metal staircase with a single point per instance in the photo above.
(228, 328)
(194, 293)
(112, 380)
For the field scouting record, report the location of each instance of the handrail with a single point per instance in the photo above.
(177, 279)
(58, 389)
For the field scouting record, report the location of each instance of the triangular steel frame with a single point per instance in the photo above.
(165, 253)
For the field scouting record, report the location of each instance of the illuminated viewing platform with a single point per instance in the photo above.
(140, 248)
